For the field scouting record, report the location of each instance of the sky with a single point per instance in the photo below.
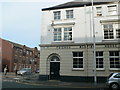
(20, 20)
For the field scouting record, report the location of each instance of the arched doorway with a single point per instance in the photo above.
(55, 68)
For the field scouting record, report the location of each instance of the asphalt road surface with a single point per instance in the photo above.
(11, 85)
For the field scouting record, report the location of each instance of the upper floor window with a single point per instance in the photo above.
(111, 31)
(20, 50)
(98, 11)
(27, 52)
(69, 14)
(15, 49)
(112, 10)
(62, 34)
(15, 59)
(30, 53)
(108, 31)
(57, 15)
(57, 34)
(68, 33)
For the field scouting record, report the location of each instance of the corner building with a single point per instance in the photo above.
(67, 41)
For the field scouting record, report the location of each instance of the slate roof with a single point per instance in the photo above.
(78, 3)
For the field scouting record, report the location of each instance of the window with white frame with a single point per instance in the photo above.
(67, 33)
(99, 59)
(77, 60)
(114, 57)
(30, 53)
(20, 51)
(108, 31)
(69, 14)
(62, 34)
(57, 34)
(111, 31)
(16, 49)
(118, 33)
(57, 15)
(15, 59)
(112, 10)
(27, 52)
(98, 11)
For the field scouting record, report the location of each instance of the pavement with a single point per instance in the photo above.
(34, 80)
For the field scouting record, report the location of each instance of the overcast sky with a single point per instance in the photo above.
(20, 20)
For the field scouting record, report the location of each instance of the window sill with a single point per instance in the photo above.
(114, 68)
(112, 15)
(108, 40)
(78, 69)
(69, 19)
(60, 42)
(98, 16)
(100, 69)
(57, 20)
(63, 19)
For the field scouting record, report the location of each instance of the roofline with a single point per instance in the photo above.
(75, 5)
(17, 44)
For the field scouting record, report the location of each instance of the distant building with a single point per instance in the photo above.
(7, 54)
(17, 56)
(67, 40)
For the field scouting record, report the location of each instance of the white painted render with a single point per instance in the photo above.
(81, 29)
(82, 36)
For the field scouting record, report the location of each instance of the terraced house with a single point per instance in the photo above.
(17, 56)
(67, 40)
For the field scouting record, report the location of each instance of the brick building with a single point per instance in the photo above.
(7, 53)
(17, 56)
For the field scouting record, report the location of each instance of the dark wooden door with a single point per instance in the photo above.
(54, 70)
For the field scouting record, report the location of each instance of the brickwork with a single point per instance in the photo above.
(17, 56)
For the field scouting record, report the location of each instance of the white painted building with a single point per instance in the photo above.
(67, 40)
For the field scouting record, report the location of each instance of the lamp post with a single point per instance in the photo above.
(94, 45)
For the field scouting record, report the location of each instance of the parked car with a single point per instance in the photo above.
(113, 81)
(37, 71)
(25, 71)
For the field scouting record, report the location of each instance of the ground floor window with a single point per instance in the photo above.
(77, 60)
(118, 33)
(99, 59)
(114, 57)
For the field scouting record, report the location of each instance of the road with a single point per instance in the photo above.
(10, 83)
